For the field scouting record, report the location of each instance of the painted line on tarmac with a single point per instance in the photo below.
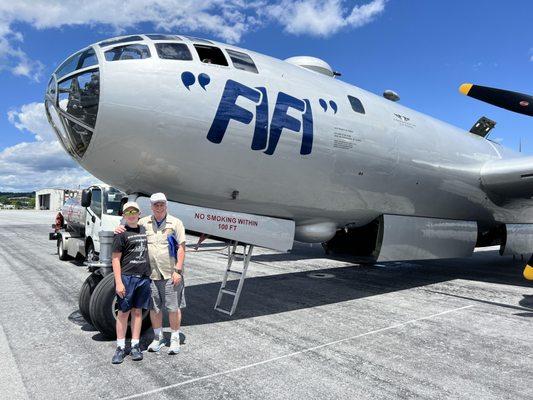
(229, 371)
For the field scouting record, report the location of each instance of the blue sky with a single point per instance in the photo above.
(421, 49)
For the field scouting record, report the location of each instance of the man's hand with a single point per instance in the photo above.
(176, 278)
(120, 229)
(121, 290)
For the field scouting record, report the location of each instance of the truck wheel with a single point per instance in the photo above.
(63, 255)
(103, 308)
(86, 291)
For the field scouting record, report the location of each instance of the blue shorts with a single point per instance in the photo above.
(138, 294)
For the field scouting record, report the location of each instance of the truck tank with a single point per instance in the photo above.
(74, 214)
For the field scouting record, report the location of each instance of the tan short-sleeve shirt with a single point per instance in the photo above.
(161, 261)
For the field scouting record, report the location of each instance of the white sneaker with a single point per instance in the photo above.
(156, 344)
(174, 345)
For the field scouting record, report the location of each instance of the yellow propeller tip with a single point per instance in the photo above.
(465, 88)
(528, 273)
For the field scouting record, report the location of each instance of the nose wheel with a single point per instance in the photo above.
(103, 308)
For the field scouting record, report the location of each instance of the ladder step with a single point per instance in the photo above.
(230, 292)
(231, 271)
(222, 311)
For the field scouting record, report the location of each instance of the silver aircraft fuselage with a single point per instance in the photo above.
(155, 131)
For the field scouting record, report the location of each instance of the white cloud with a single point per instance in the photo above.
(225, 19)
(33, 165)
(32, 118)
(323, 18)
(43, 163)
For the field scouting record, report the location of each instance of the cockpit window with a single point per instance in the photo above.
(126, 39)
(356, 104)
(211, 55)
(87, 59)
(242, 61)
(173, 51)
(51, 89)
(79, 60)
(78, 96)
(79, 136)
(198, 40)
(128, 52)
(156, 36)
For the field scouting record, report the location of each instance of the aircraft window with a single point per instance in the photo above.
(357, 106)
(128, 52)
(163, 37)
(211, 55)
(79, 136)
(79, 96)
(195, 39)
(68, 66)
(79, 60)
(87, 59)
(51, 90)
(121, 40)
(57, 124)
(242, 61)
(173, 51)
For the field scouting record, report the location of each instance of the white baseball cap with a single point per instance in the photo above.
(131, 204)
(158, 197)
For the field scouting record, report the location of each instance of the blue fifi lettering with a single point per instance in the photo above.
(228, 110)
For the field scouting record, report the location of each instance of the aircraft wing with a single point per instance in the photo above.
(510, 178)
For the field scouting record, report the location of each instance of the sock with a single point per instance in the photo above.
(134, 342)
(175, 334)
(121, 343)
(158, 332)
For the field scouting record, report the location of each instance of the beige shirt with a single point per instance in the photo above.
(160, 260)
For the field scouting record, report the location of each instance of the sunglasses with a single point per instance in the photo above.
(131, 212)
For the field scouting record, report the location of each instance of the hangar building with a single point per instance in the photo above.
(52, 199)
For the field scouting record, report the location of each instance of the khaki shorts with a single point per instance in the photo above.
(165, 293)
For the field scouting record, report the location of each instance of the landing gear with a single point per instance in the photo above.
(86, 292)
(97, 299)
(103, 308)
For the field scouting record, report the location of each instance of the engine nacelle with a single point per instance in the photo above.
(518, 241)
(398, 237)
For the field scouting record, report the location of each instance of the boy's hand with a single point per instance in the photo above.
(176, 278)
(119, 229)
(121, 290)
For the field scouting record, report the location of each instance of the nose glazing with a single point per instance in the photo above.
(72, 99)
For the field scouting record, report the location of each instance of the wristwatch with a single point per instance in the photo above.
(178, 271)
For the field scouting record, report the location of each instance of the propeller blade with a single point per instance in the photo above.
(513, 101)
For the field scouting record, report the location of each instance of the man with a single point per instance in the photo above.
(168, 289)
(131, 269)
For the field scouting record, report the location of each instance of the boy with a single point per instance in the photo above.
(131, 268)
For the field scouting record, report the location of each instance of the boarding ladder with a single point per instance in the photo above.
(233, 255)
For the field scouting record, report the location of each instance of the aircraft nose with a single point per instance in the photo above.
(71, 101)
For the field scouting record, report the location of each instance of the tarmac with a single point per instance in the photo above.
(307, 327)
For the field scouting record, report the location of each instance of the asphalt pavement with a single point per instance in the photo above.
(307, 327)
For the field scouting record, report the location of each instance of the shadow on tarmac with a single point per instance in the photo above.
(287, 292)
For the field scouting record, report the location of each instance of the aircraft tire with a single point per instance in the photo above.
(103, 308)
(86, 292)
